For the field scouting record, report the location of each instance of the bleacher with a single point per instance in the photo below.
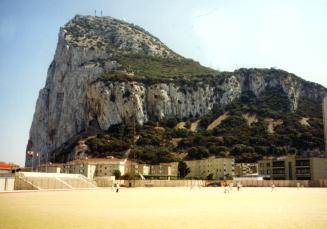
(42, 181)
(77, 182)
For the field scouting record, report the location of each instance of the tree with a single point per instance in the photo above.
(210, 176)
(198, 152)
(117, 174)
(218, 150)
(183, 170)
(127, 176)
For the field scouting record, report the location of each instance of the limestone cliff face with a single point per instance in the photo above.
(76, 99)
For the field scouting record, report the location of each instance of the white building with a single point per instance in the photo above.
(103, 167)
(216, 168)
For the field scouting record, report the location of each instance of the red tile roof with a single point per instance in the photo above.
(5, 166)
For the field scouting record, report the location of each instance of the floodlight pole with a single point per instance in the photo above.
(32, 161)
(39, 155)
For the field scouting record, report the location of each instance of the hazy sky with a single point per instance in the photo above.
(225, 35)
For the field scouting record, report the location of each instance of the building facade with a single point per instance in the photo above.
(164, 171)
(246, 169)
(135, 169)
(215, 168)
(103, 167)
(84, 167)
(5, 168)
(51, 168)
(293, 168)
(107, 167)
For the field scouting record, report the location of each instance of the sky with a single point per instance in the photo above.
(223, 34)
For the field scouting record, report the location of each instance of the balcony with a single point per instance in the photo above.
(302, 172)
(302, 166)
(279, 174)
(278, 164)
(302, 163)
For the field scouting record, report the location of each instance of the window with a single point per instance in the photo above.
(303, 163)
(279, 164)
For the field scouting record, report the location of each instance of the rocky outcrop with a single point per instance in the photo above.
(76, 99)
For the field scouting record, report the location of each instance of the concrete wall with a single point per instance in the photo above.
(105, 181)
(7, 183)
(168, 183)
(319, 168)
(108, 181)
(21, 184)
(268, 183)
(35, 181)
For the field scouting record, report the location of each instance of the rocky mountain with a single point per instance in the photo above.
(108, 72)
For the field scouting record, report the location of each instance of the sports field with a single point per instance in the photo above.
(166, 208)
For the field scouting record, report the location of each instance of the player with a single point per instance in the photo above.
(298, 185)
(238, 186)
(231, 187)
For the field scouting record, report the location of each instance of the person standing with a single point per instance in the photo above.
(117, 188)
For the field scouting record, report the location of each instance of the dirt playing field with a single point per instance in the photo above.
(166, 208)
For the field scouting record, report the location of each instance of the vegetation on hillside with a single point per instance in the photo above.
(233, 137)
(152, 69)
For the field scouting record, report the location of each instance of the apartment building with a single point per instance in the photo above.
(246, 169)
(101, 167)
(98, 167)
(135, 169)
(51, 168)
(164, 171)
(84, 167)
(293, 168)
(216, 168)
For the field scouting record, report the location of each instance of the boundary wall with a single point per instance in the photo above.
(7, 183)
(41, 181)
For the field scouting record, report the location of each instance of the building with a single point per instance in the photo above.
(325, 122)
(135, 169)
(102, 167)
(51, 168)
(164, 171)
(265, 168)
(293, 168)
(5, 168)
(84, 167)
(107, 167)
(215, 168)
(246, 169)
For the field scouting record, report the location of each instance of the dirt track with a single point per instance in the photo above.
(166, 208)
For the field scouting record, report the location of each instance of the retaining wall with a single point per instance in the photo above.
(107, 182)
(268, 183)
(7, 183)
